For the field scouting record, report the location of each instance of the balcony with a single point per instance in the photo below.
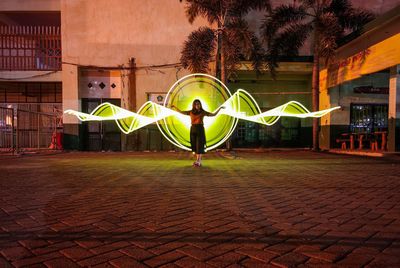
(30, 48)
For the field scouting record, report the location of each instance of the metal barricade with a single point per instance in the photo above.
(6, 129)
(35, 130)
(24, 130)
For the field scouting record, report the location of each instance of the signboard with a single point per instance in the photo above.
(371, 90)
(378, 57)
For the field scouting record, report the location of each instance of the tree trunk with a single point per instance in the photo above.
(315, 92)
(228, 142)
(218, 54)
(223, 66)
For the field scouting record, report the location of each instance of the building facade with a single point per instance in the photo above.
(76, 54)
(364, 81)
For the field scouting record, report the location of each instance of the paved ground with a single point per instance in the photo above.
(272, 209)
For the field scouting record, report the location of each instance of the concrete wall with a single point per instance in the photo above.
(337, 122)
(370, 38)
(30, 5)
(33, 76)
(110, 33)
(343, 96)
(269, 94)
(358, 64)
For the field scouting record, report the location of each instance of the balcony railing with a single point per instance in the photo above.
(30, 48)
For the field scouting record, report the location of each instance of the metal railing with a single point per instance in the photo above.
(34, 130)
(30, 48)
(22, 130)
(6, 129)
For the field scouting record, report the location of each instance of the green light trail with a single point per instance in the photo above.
(213, 93)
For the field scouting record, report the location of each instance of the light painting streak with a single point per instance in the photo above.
(175, 127)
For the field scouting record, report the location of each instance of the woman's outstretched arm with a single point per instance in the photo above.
(216, 112)
(180, 111)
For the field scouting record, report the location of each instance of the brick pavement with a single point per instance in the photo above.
(277, 209)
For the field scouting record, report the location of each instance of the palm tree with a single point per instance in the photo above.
(228, 42)
(287, 27)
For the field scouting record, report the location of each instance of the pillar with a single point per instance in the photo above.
(394, 110)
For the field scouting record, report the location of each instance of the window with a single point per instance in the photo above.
(368, 117)
(15, 93)
(2, 95)
(30, 92)
(33, 92)
(48, 92)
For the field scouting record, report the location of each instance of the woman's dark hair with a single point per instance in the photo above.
(194, 109)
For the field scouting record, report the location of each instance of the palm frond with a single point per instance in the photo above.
(330, 31)
(349, 17)
(287, 43)
(198, 50)
(308, 3)
(279, 18)
(290, 40)
(244, 45)
(257, 54)
(231, 52)
(210, 9)
(238, 32)
(354, 18)
(239, 8)
(338, 6)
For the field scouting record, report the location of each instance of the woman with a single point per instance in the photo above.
(197, 133)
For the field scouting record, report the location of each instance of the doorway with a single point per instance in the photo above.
(100, 136)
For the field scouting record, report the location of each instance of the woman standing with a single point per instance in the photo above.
(197, 133)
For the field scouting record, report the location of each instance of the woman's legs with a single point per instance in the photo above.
(197, 140)
(199, 159)
(201, 141)
(193, 142)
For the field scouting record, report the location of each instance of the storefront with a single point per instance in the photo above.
(364, 80)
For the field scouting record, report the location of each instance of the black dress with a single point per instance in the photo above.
(197, 132)
(198, 138)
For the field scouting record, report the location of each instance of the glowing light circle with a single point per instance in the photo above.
(212, 94)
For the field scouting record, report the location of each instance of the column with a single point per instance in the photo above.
(70, 98)
(394, 110)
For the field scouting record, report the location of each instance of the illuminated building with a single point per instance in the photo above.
(127, 52)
